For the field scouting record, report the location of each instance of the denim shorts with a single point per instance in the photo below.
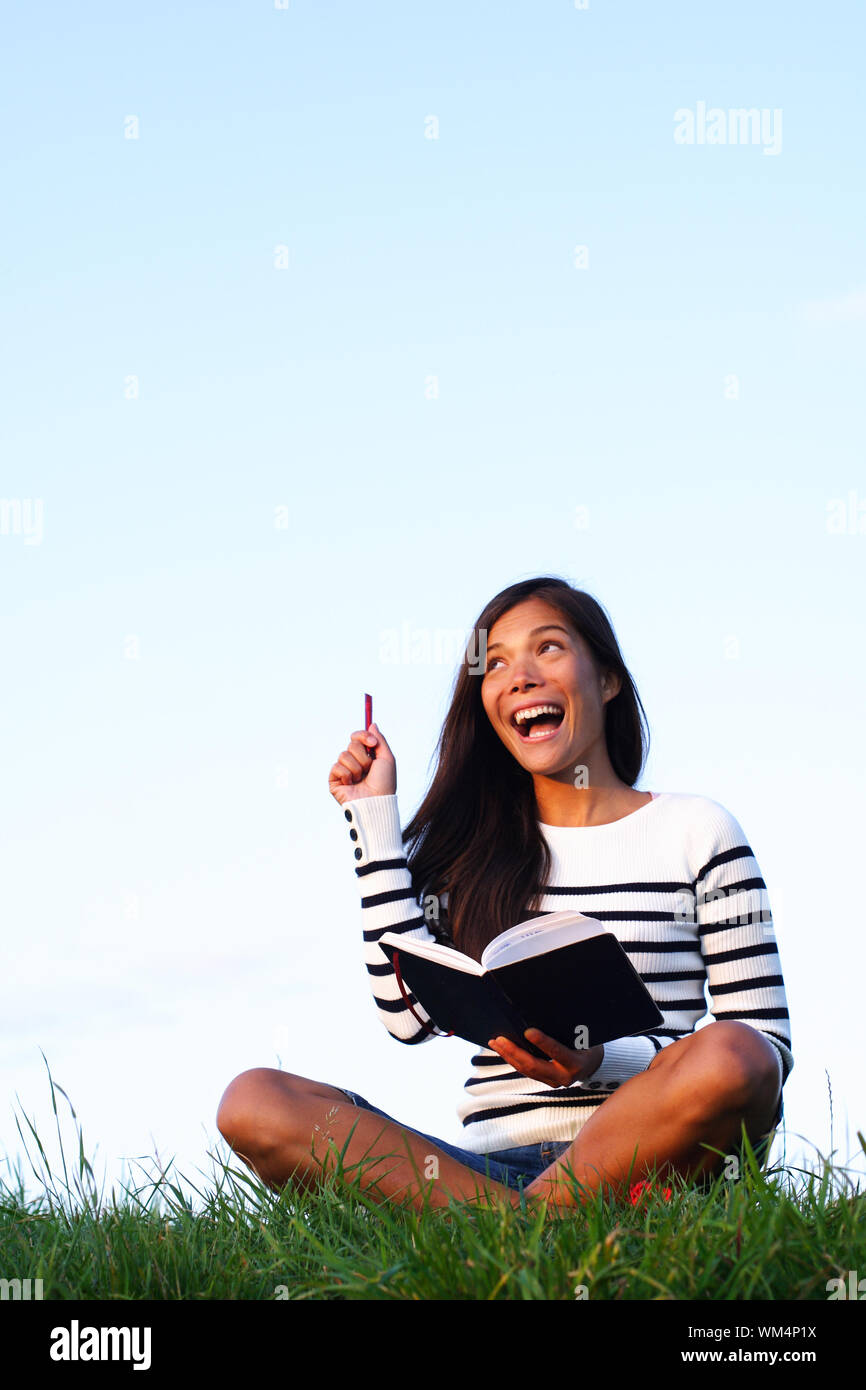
(518, 1166)
(511, 1167)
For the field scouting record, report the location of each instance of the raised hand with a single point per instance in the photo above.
(366, 768)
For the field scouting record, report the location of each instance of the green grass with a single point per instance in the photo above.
(779, 1234)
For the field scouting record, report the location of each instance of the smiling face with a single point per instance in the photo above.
(538, 664)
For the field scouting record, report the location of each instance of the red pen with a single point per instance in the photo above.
(368, 716)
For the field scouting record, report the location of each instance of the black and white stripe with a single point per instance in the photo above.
(681, 888)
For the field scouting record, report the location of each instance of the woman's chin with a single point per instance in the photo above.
(546, 757)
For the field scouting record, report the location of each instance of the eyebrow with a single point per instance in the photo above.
(548, 627)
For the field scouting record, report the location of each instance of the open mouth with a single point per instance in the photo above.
(538, 723)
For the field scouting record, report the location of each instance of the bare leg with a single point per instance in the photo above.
(696, 1092)
(286, 1126)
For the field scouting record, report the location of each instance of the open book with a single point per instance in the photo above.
(562, 972)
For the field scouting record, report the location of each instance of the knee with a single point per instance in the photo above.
(750, 1061)
(244, 1105)
(729, 1065)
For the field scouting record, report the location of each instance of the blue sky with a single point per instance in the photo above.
(283, 294)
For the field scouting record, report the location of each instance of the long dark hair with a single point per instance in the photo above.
(475, 834)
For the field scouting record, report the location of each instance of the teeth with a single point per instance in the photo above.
(524, 714)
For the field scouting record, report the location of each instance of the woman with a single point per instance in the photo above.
(533, 809)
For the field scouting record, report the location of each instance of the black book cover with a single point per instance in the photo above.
(589, 985)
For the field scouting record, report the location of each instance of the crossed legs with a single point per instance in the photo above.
(693, 1098)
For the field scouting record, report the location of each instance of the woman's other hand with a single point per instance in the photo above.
(358, 773)
(566, 1065)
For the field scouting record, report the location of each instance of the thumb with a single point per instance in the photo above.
(381, 743)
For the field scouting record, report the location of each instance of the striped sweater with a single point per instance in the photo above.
(675, 880)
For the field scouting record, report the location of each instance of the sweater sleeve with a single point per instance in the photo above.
(388, 903)
(624, 1058)
(738, 941)
(737, 944)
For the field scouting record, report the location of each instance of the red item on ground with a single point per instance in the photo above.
(637, 1190)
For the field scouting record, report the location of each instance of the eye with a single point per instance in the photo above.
(550, 642)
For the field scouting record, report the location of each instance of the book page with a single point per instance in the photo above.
(539, 935)
(435, 951)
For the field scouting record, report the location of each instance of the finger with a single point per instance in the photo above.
(554, 1072)
(524, 1062)
(364, 738)
(380, 737)
(515, 1055)
(551, 1046)
(351, 763)
(369, 736)
(562, 1055)
(359, 748)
